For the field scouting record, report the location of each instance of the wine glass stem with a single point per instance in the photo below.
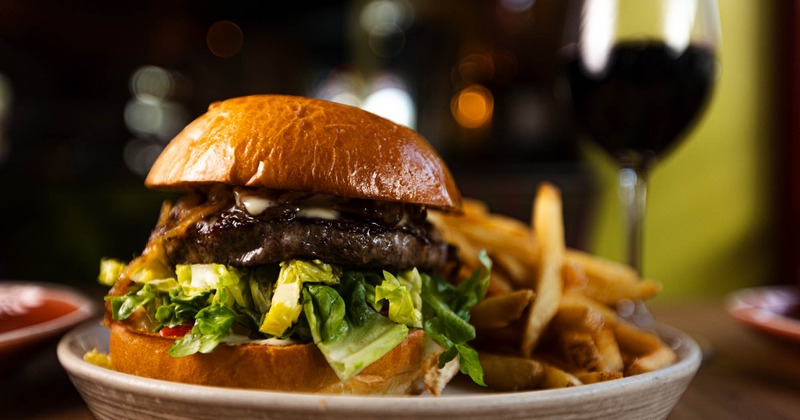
(633, 197)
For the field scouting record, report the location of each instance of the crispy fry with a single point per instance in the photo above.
(558, 378)
(611, 358)
(612, 292)
(549, 318)
(658, 359)
(577, 316)
(502, 340)
(635, 341)
(607, 281)
(580, 350)
(548, 226)
(610, 317)
(574, 276)
(520, 274)
(599, 267)
(595, 377)
(472, 207)
(501, 310)
(510, 373)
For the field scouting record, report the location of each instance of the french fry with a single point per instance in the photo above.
(610, 355)
(549, 318)
(635, 341)
(510, 373)
(608, 281)
(548, 226)
(504, 340)
(501, 310)
(657, 359)
(518, 273)
(577, 316)
(574, 276)
(645, 350)
(580, 350)
(612, 292)
(603, 268)
(558, 378)
(595, 377)
(472, 207)
(610, 316)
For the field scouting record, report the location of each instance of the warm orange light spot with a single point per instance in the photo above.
(225, 39)
(473, 106)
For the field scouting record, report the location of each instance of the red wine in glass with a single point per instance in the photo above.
(642, 102)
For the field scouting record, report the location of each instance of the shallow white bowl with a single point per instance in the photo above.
(111, 394)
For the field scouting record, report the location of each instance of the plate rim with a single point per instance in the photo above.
(687, 365)
(740, 307)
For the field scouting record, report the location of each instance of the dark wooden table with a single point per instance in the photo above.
(747, 376)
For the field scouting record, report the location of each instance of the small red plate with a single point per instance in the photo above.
(774, 310)
(32, 313)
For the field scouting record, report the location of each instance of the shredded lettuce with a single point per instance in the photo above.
(342, 312)
(110, 270)
(405, 302)
(286, 307)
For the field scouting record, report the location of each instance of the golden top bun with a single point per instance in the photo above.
(303, 144)
(295, 368)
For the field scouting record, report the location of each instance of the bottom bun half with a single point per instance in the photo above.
(409, 368)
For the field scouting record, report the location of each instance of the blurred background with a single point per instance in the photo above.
(91, 91)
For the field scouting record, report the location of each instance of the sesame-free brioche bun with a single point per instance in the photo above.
(310, 145)
(409, 368)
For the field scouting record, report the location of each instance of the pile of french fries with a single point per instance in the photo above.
(550, 318)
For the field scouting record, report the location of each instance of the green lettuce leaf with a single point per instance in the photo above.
(351, 335)
(213, 323)
(177, 308)
(447, 314)
(123, 306)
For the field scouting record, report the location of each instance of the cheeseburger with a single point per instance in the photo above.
(298, 257)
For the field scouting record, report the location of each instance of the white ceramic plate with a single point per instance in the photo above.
(117, 395)
(32, 313)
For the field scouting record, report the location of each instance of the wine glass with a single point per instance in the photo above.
(639, 74)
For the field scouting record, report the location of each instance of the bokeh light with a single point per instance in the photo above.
(476, 67)
(385, 22)
(392, 103)
(152, 81)
(342, 85)
(225, 39)
(473, 106)
(153, 115)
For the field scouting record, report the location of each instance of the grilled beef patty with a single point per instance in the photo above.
(234, 237)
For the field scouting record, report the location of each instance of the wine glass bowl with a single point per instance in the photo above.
(640, 73)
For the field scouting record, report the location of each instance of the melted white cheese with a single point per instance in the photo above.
(318, 213)
(255, 205)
